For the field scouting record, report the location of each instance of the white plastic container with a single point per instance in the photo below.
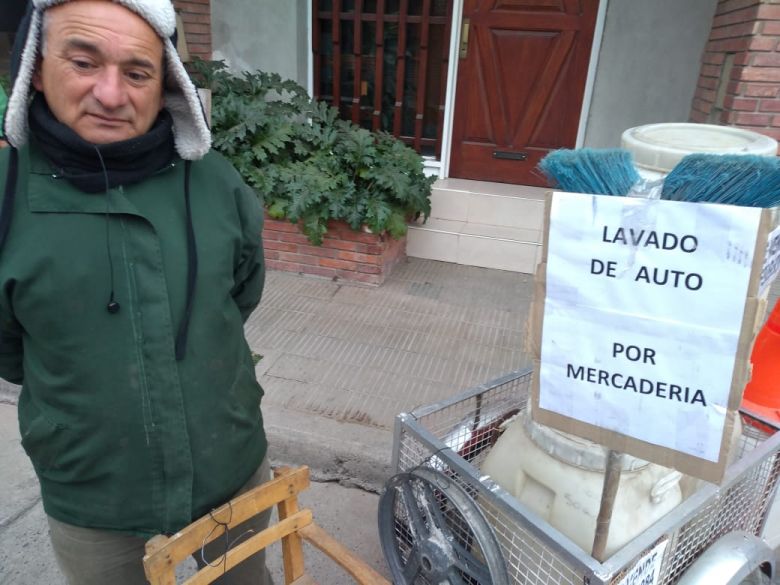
(657, 148)
(560, 477)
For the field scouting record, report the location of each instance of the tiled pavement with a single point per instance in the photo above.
(363, 354)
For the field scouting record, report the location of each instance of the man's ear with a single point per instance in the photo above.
(37, 81)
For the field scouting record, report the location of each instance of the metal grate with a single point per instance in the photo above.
(454, 437)
(740, 504)
(383, 65)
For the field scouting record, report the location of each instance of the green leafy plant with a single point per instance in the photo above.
(307, 164)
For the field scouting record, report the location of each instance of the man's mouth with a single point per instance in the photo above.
(108, 120)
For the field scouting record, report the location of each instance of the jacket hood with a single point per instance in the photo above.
(192, 136)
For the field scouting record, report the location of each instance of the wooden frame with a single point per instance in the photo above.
(295, 525)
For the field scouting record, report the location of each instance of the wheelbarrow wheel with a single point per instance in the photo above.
(433, 532)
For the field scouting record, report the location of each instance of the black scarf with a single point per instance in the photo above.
(77, 161)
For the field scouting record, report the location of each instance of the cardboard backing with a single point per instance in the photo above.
(754, 310)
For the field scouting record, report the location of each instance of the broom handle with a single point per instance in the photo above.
(608, 493)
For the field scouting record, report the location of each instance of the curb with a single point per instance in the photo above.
(351, 454)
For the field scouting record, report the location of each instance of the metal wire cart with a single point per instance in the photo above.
(440, 521)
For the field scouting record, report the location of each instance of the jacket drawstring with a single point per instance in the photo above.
(111, 306)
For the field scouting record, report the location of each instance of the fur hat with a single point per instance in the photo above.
(191, 132)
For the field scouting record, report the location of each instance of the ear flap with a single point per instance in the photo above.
(190, 128)
(23, 61)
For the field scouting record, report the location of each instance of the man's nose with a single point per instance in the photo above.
(109, 88)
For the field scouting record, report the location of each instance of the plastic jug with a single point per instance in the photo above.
(560, 477)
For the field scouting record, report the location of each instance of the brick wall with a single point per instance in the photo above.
(739, 81)
(345, 254)
(196, 15)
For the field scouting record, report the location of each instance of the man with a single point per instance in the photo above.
(130, 256)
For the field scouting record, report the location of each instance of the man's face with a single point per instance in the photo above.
(101, 70)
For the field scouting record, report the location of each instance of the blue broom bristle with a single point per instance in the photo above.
(746, 180)
(599, 171)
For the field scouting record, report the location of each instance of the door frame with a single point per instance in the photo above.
(452, 80)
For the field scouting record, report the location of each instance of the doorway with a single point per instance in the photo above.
(522, 70)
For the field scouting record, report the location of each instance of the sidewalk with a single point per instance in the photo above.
(357, 356)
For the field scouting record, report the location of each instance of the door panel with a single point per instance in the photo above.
(520, 85)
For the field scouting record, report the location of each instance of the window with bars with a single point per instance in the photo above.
(383, 64)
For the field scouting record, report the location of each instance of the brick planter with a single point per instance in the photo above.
(345, 253)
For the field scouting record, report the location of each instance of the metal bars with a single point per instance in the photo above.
(445, 60)
(376, 121)
(422, 67)
(357, 47)
(336, 39)
(383, 65)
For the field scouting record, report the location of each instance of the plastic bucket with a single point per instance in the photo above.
(657, 148)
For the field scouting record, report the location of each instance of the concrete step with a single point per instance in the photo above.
(471, 244)
(476, 223)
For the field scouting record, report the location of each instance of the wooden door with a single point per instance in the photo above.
(521, 80)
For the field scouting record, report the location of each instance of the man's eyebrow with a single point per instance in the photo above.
(82, 45)
(142, 63)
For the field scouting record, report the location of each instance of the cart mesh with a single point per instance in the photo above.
(454, 436)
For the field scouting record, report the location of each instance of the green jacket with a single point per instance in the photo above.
(3, 105)
(121, 435)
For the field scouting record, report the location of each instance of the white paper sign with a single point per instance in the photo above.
(646, 571)
(642, 315)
